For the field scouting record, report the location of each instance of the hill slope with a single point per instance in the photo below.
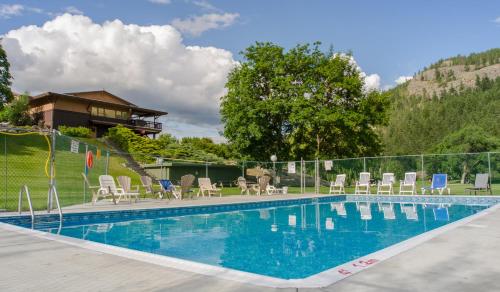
(436, 104)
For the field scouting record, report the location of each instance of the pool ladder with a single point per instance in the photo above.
(52, 192)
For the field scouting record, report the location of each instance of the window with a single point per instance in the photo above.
(109, 113)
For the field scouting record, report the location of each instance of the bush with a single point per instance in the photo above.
(17, 112)
(81, 132)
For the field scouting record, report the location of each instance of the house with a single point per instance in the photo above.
(97, 110)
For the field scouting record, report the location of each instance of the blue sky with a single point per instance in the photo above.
(388, 38)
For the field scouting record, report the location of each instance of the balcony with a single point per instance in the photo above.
(146, 124)
(149, 126)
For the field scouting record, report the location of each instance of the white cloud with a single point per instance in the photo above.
(160, 1)
(403, 79)
(372, 81)
(196, 25)
(73, 10)
(9, 10)
(148, 65)
(204, 4)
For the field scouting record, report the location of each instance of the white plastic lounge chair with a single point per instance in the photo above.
(365, 211)
(340, 208)
(363, 184)
(96, 190)
(130, 191)
(385, 185)
(439, 183)
(388, 210)
(410, 211)
(108, 188)
(409, 184)
(207, 187)
(481, 183)
(242, 184)
(338, 185)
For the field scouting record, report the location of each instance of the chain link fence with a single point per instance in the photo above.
(29, 158)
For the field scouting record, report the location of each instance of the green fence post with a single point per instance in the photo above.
(52, 169)
(5, 168)
(489, 169)
(84, 170)
(422, 168)
(107, 162)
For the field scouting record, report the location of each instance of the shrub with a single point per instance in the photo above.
(81, 132)
(17, 112)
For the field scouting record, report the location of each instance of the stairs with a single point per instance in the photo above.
(130, 161)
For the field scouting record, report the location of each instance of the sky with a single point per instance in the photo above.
(175, 55)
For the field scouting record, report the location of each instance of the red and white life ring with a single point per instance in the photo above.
(90, 159)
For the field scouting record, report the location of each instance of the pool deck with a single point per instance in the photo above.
(462, 259)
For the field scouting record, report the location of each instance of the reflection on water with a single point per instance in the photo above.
(285, 242)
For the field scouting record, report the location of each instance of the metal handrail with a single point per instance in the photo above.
(53, 191)
(24, 189)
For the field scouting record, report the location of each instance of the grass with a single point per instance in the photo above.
(24, 163)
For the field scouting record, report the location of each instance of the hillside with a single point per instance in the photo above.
(458, 72)
(436, 106)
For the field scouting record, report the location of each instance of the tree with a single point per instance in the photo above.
(301, 103)
(5, 79)
(470, 139)
(17, 111)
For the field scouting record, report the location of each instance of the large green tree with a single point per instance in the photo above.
(300, 103)
(5, 79)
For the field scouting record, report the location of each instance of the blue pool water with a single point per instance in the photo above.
(288, 242)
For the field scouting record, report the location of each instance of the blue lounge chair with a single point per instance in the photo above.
(441, 213)
(439, 183)
(168, 188)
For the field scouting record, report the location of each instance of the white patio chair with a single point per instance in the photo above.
(409, 184)
(242, 184)
(340, 208)
(365, 210)
(338, 185)
(385, 185)
(96, 191)
(130, 191)
(410, 211)
(108, 188)
(207, 187)
(363, 184)
(388, 210)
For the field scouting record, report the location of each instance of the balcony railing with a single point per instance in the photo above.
(146, 124)
(131, 122)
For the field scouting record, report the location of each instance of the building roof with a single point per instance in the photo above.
(113, 101)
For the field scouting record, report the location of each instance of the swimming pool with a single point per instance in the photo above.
(292, 239)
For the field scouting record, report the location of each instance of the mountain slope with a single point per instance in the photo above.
(435, 105)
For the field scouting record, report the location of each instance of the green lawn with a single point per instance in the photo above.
(25, 164)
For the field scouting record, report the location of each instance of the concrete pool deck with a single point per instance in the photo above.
(461, 259)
